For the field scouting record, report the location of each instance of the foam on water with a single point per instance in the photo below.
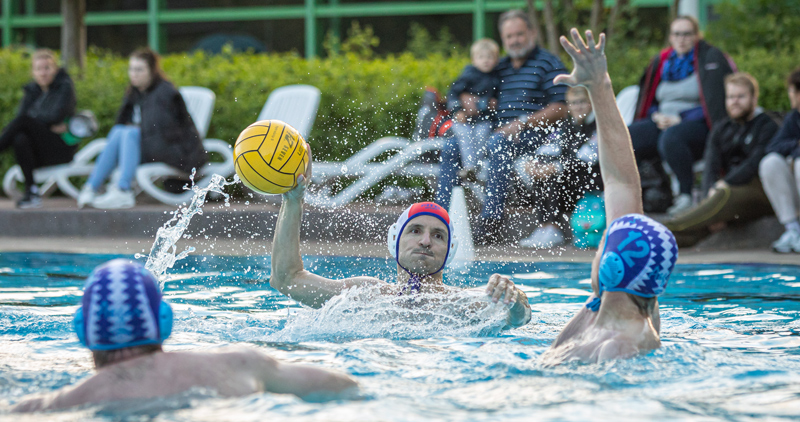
(366, 313)
(730, 345)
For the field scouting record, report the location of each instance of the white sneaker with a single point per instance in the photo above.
(544, 238)
(789, 242)
(86, 196)
(682, 203)
(115, 198)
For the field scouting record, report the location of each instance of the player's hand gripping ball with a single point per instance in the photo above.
(269, 155)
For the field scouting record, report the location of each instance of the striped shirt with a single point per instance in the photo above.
(530, 88)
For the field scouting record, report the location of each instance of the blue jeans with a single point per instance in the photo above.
(500, 152)
(472, 141)
(123, 149)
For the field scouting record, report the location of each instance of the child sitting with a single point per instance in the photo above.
(471, 100)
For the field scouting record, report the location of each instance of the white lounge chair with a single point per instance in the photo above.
(294, 104)
(200, 104)
(404, 163)
(369, 173)
(626, 101)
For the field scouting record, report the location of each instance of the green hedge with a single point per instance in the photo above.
(362, 99)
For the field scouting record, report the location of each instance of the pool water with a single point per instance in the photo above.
(731, 345)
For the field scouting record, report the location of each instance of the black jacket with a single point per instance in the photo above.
(787, 141)
(734, 150)
(711, 66)
(168, 132)
(472, 81)
(57, 104)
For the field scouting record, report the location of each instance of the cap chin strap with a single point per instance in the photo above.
(594, 305)
(414, 284)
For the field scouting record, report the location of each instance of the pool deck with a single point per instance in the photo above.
(357, 230)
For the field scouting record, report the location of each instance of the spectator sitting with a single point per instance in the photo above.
(527, 99)
(152, 125)
(471, 100)
(563, 170)
(735, 147)
(38, 133)
(681, 96)
(780, 172)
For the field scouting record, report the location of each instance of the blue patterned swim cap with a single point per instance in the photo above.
(122, 307)
(638, 256)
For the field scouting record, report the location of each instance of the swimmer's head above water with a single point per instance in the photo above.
(638, 257)
(422, 241)
(122, 308)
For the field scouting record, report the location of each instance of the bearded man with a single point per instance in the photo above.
(731, 185)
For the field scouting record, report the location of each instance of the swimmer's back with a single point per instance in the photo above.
(229, 372)
(597, 344)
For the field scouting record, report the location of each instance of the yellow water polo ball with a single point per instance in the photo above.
(269, 155)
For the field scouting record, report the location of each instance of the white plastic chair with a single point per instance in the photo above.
(403, 163)
(626, 101)
(294, 104)
(200, 104)
(369, 173)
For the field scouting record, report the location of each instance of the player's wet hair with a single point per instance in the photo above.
(153, 61)
(514, 14)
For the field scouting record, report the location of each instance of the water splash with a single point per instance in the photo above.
(162, 254)
(366, 313)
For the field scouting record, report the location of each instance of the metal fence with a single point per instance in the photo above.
(310, 11)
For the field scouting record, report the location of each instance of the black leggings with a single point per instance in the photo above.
(35, 145)
(680, 146)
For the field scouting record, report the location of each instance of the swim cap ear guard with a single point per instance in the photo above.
(164, 323)
(122, 307)
(638, 257)
(416, 210)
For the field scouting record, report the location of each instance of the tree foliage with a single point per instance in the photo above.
(743, 25)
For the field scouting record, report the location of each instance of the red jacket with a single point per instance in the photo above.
(710, 67)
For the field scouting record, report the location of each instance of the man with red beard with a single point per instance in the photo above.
(731, 186)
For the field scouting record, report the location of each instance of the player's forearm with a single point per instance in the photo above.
(308, 382)
(617, 162)
(287, 263)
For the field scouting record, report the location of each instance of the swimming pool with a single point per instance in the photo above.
(731, 345)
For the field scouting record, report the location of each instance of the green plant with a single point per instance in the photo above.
(422, 44)
(757, 24)
(362, 99)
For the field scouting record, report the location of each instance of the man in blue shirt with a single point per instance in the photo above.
(527, 99)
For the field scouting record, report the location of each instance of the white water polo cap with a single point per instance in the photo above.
(638, 257)
(122, 307)
(417, 210)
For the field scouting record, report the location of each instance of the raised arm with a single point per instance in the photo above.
(288, 275)
(623, 190)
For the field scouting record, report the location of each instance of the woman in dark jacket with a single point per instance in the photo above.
(36, 132)
(681, 96)
(152, 125)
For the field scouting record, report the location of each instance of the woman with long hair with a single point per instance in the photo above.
(152, 125)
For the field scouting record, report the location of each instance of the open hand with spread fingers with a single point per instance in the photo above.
(591, 67)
